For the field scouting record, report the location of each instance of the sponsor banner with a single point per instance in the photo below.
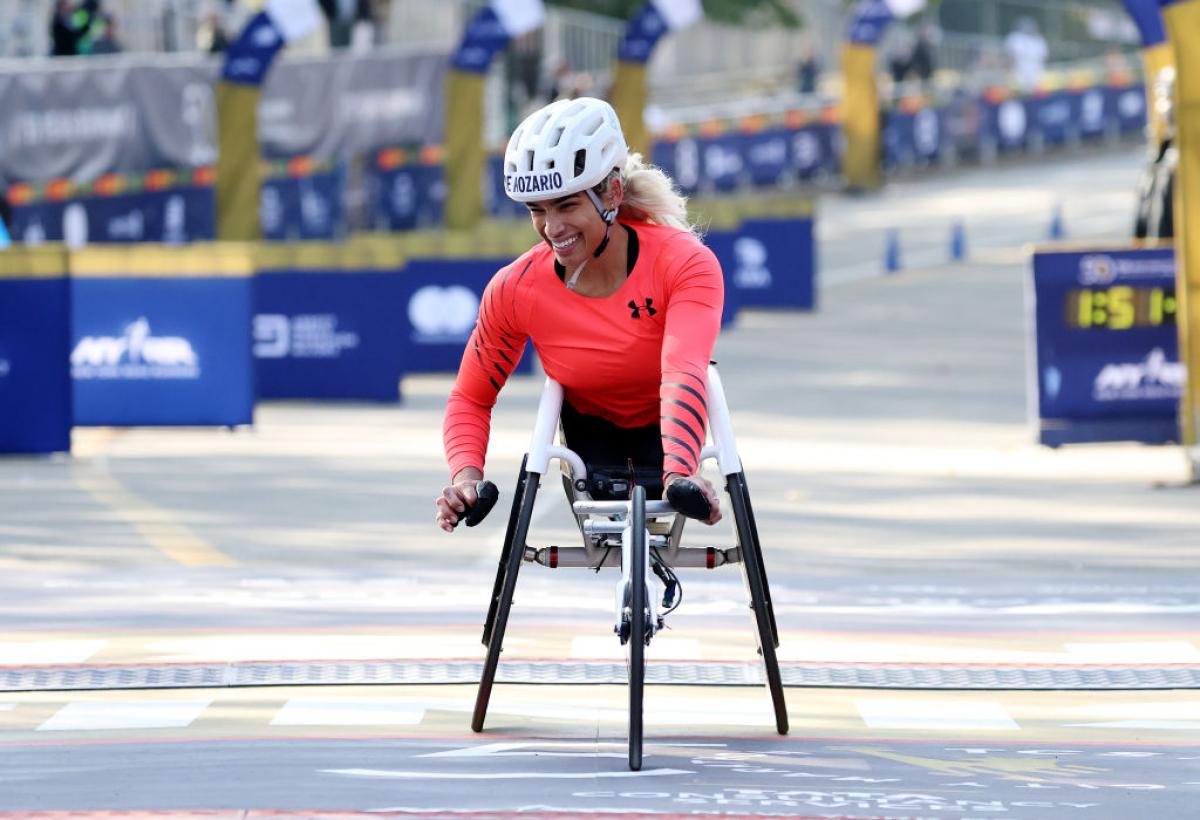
(342, 106)
(1128, 108)
(35, 380)
(328, 334)
(1055, 117)
(81, 122)
(1005, 125)
(1106, 365)
(913, 137)
(308, 207)
(767, 156)
(439, 305)
(411, 197)
(498, 202)
(722, 162)
(158, 351)
(767, 263)
(174, 216)
(1096, 116)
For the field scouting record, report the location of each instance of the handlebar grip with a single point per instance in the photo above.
(488, 495)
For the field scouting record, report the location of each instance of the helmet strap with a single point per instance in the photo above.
(609, 215)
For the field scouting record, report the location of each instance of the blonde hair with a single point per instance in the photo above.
(651, 196)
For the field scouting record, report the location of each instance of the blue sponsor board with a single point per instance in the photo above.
(1127, 106)
(172, 216)
(35, 379)
(498, 202)
(328, 334)
(162, 351)
(1005, 125)
(1105, 350)
(439, 303)
(308, 207)
(913, 137)
(767, 263)
(1055, 117)
(410, 197)
(767, 156)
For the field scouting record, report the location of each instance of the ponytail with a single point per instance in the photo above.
(651, 196)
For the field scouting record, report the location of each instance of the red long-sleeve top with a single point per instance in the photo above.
(639, 354)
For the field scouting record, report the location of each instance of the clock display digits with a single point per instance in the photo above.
(1120, 307)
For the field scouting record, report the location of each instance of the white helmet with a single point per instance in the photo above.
(563, 148)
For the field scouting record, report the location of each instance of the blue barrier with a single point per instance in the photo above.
(768, 262)
(1105, 363)
(328, 334)
(175, 216)
(161, 338)
(439, 302)
(307, 207)
(409, 197)
(35, 382)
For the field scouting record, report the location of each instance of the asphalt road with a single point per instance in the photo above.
(1013, 628)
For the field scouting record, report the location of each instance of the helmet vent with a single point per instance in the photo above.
(528, 160)
(580, 161)
(557, 138)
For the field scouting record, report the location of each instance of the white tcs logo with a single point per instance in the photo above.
(751, 270)
(442, 313)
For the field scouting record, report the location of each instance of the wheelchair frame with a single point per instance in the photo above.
(641, 528)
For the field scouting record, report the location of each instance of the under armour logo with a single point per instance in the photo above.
(637, 309)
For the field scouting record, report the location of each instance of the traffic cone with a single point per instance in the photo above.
(891, 258)
(1056, 222)
(958, 241)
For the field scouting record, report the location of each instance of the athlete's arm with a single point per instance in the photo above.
(492, 352)
(696, 295)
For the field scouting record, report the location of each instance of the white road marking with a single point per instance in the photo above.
(38, 652)
(137, 714)
(268, 647)
(400, 775)
(607, 647)
(566, 748)
(349, 712)
(934, 714)
(1134, 652)
(1175, 725)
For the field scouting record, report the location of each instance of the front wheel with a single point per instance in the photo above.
(638, 621)
(755, 576)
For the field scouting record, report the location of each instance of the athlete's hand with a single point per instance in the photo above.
(456, 498)
(706, 487)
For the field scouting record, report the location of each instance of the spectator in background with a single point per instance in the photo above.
(64, 36)
(1027, 52)
(808, 69)
(212, 36)
(104, 34)
(922, 62)
(5, 221)
(351, 23)
(899, 59)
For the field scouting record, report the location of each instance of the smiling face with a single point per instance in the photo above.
(571, 225)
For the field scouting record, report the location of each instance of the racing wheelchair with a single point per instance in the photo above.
(643, 538)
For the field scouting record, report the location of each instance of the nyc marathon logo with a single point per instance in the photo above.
(137, 354)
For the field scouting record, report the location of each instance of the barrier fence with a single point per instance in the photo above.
(144, 334)
(400, 186)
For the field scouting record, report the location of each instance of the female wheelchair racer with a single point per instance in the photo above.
(621, 301)
(625, 341)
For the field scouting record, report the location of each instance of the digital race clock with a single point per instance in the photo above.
(1120, 307)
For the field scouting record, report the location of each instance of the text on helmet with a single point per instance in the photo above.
(532, 183)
